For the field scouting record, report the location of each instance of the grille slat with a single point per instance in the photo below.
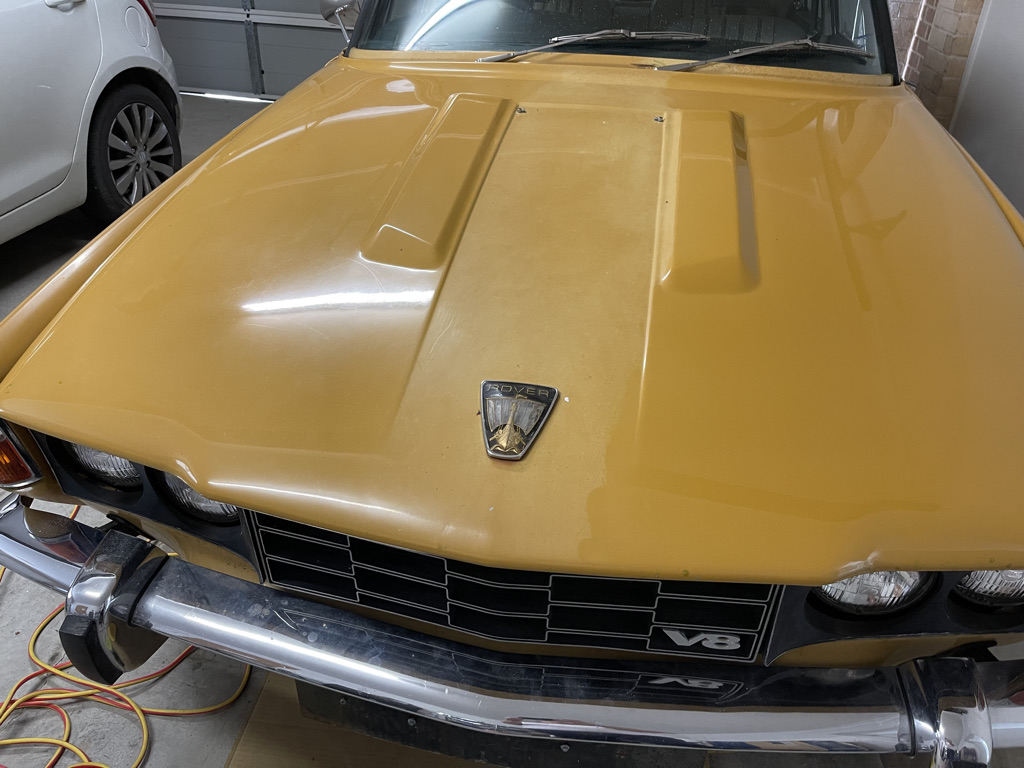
(425, 567)
(410, 591)
(311, 580)
(303, 551)
(498, 599)
(402, 609)
(317, 534)
(500, 576)
(709, 614)
(703, 619)
(571, 639)
(600, 620)
(718, 589)
(515, 628)
(601, 591)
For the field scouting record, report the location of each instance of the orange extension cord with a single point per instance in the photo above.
(45, 698)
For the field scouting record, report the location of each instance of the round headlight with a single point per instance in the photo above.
(105, 467)
(196, 504)
(878, 592)
(993, 587)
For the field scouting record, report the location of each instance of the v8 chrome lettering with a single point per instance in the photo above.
(715, 641)
(690, 682)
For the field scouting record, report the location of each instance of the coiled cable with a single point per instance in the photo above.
(88, 690)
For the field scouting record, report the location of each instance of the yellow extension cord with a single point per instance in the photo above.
(91, 691)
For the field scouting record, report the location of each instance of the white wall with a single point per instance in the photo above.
(989, 118)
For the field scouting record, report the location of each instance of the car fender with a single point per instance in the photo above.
(76, 178)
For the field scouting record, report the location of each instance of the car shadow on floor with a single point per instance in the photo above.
(29, 259)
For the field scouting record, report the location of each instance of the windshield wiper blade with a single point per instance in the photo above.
(805, 44)
(604, 34)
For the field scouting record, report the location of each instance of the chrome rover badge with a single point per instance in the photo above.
(513, 415)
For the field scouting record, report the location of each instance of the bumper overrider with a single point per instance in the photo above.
(124, 596)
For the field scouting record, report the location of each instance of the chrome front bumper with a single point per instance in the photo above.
(123, 595)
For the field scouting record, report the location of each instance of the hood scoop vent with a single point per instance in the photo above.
(422, 218)
(707, 236)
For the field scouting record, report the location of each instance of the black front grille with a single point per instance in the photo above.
(717, 620)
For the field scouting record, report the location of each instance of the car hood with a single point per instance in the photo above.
(784, 317)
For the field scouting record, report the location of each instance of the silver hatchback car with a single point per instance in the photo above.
(89, 109)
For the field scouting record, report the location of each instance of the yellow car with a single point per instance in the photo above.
(639, 374)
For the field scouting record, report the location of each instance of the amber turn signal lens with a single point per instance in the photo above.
(14, 470)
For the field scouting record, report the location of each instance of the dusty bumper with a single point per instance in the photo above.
(121, 591)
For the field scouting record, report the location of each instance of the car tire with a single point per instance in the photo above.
(133, 147)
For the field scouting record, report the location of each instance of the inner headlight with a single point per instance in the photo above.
(196, 504)
(874, 593)
(106, 467)
(995, 588)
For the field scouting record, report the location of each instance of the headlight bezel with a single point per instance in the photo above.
(144, 481)
(76, 455)
(916, 594)
(150, 504)
(178, 493)
(989, 601)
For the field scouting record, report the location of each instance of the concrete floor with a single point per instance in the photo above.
(107, 735)
(206, 741)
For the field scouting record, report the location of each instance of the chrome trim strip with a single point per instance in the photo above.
(956, 708)
(358, 657)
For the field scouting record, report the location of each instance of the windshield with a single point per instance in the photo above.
(517, 25)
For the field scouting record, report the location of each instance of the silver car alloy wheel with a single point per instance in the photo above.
(138, 151)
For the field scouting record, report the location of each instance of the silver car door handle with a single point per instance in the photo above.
(62, 4)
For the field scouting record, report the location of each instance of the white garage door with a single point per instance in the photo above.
(262, 47)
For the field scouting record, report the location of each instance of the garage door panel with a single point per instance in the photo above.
(208, 54)
(248, 46)
(289, 6)
(291, 54)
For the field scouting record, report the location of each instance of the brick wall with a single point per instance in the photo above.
(907, 15)
(945, 57)
(933, 38)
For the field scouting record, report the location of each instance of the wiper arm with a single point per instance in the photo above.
(806, 44)
(604, 34)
